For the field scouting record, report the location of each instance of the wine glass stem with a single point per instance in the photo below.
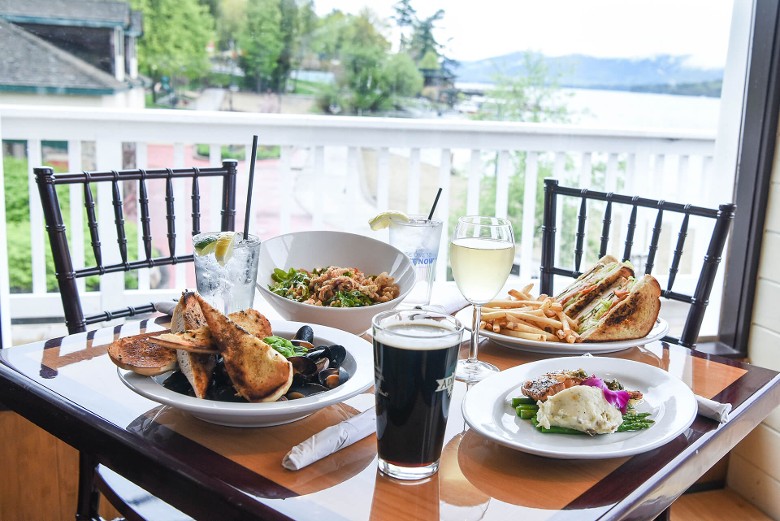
(475, 320)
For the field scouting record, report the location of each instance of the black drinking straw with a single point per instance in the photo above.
(249, 188)
(435, 202)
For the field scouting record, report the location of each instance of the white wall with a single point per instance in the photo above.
(754, 466)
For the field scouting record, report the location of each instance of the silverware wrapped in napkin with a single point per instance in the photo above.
(166, 307)
(335, 437)
(713, 410)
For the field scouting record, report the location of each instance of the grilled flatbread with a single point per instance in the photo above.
(198, 368)
(142, 354)
(259, 373)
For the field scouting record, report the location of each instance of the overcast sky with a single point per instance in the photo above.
(475, 29)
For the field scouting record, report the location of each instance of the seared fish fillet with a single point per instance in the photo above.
(197, 368)
(548, 384)
(259, 373)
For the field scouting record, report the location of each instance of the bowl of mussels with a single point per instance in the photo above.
(329, 366)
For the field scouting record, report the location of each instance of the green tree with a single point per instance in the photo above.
(261, 43)
(402, 76)
(175, 39)
(533, 96)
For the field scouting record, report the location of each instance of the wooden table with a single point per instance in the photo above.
(69, 387)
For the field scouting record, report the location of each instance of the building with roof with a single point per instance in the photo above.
(70, 52)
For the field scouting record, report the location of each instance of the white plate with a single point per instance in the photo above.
(359, 362)
(671, 404)
(659, 330)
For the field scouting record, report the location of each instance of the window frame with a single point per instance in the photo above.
(756, 150)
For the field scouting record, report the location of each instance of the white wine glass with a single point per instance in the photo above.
(482, 250)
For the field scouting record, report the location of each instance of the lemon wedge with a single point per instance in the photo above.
(383, 220)
(223, 247)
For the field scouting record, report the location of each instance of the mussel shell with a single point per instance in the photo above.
(337, 355)
(333, 377)
(305, 333)
(303, 365)
(304, 391)
(302, 343)
(317, 353)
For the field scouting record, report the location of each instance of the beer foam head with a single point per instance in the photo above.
(419, 335)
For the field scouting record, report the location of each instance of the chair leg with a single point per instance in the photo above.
(88, 495)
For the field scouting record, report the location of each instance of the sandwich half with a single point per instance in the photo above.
(624, 310)
(588, 286)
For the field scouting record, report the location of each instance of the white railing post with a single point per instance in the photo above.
(5, 303)
(108, 156)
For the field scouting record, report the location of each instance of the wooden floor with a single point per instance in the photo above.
(715, 505)
(45, 471)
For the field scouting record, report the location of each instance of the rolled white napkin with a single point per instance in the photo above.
(335, 437)
(713, 410)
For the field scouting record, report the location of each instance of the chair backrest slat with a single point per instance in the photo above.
(630, 232)
(170, 217)
(698, 300)
(65, 272)
(659, 220)
(605, 227)
(119, 219)
(94, 235)
(678, 251)
(195, 203)
(146, 233)
(582, 219)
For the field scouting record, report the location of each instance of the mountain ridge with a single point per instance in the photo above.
(657, 73)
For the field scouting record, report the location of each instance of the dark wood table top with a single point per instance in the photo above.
(69, 387)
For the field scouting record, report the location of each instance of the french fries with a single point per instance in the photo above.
(532, 318)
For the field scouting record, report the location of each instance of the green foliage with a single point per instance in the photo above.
(20, 234)
(239, 151)
(176, 34)
(260, 40)
(531, 97)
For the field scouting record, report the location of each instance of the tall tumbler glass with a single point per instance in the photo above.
(415, 354)
(226, 269)
(419, 239)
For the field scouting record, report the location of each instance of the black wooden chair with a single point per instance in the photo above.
(722, 217)
(93, 477)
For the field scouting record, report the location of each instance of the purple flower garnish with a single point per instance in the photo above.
(617, 398)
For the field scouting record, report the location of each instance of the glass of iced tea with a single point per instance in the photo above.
(415, 354)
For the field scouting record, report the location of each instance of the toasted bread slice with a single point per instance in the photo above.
(253, 322)
(578, 295)
(189, 325)
(259, 373)
(194, 341)
(142, 354)
(632, 317)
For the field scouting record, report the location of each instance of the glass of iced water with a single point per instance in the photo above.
(226, 269)
(419, 239)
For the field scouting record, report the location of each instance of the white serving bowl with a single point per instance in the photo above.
(320, 249)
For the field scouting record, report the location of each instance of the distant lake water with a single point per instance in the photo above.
(643, 110)
(622, 109)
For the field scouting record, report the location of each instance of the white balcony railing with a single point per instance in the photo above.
(335, 172)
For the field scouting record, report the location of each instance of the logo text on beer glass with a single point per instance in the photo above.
(445, 384)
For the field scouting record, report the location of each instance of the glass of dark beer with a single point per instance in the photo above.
(415, 355)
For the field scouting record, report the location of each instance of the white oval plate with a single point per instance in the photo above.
(671, 404)
(659, 330)
(359, 362)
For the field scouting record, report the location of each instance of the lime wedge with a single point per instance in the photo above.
(384, 219)
(206, 245)
(223, 247)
